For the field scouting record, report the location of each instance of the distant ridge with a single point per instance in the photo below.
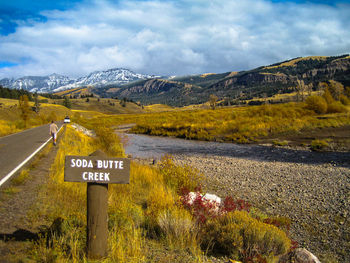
(263, 81)
(56, 82)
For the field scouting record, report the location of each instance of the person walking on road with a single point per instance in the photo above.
(53, 132)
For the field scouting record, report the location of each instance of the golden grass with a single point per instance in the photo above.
(126, 215)
(146, 220)
(232, 74)
(89, 114)
(158, 108)
(11, 121)
(70, 91)
(21, 178)
(7, 127)
(245, 124)
(206, 75)
(8, 102)
(233, 124)
(285, 97)
(106, 106)
(239, 124)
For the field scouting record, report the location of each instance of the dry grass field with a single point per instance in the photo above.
(11, 121)
(149, 219)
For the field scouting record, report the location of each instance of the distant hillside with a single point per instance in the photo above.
(154, 91)
(281, 77)
(106, 106)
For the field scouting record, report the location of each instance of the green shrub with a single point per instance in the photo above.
(319, 145)
(178, 228)
(179, 177)
(240, 236)
(223, 238)
(317, 104)
(108, 141)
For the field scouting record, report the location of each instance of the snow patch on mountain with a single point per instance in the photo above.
(56, 82)
(117, 76)
(37, 83)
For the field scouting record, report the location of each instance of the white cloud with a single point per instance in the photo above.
(174, 37)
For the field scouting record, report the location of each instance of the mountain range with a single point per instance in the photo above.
(265, 81)
(282, 77)
(56, 82)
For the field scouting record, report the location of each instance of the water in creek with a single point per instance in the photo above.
(143, 146)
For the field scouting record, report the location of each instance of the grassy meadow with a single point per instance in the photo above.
(150, 220)
(12, 122)
(107, 106)
(246, 124)
(242, 125)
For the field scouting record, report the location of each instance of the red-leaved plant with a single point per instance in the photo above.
(203, 209)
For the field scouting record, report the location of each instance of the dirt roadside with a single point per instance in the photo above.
(16, 201)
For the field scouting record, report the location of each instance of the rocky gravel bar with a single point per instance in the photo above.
(315, 196)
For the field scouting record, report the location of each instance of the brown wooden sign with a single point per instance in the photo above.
(96, 169)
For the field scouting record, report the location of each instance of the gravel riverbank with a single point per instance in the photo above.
(315, 196)
(311, 188)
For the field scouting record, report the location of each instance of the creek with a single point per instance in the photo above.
(154, 147)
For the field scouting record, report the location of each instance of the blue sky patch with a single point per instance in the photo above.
(7, 64)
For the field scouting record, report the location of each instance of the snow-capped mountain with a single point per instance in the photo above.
(37, 83)
(55, 82)
(118, 76)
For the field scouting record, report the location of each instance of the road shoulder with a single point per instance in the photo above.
(16, 202)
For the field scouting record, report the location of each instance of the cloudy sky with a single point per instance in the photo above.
(169, 37)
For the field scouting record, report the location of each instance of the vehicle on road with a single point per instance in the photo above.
(66, 119)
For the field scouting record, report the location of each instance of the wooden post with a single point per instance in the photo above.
(97, 217)
(97, 170)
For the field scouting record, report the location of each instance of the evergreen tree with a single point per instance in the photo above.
(36, 103)
(67, 103)
(212, 101)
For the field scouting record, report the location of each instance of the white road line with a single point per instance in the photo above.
(8, 176)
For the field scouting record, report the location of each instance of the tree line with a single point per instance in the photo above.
(14, 93)
(8, 93)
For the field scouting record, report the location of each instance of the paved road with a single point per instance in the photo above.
(16, 148)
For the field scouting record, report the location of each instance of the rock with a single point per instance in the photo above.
(82, 129)
(300, 255)
(212, 198)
